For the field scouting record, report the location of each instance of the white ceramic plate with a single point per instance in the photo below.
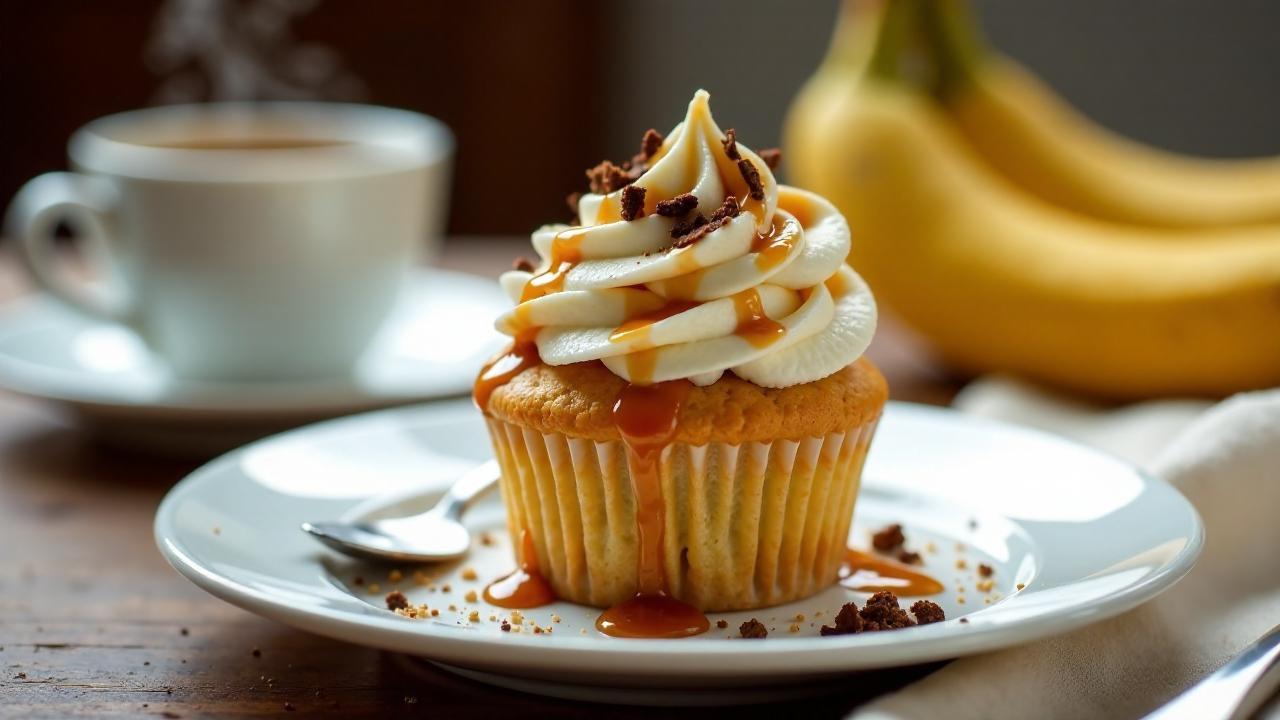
(1085, 535)
(429, 347)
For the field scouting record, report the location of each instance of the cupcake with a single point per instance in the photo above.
(683, 415)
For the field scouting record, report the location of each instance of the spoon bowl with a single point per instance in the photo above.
(433, 536)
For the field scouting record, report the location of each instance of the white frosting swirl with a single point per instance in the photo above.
(766, 295)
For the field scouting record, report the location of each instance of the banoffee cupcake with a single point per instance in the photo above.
(683, 416)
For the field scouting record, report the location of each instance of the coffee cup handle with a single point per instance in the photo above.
(87, 204)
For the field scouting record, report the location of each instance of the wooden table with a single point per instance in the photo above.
(94, 623)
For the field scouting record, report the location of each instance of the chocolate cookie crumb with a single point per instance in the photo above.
(699, 227)
(985, 570)
(396, 600)
(506, 626)
(771, 157)
(728, 210)
(607, 177)
(522, 264)
(888, 538)
(882, 613)
(847, 622)
(927, 611)
(722, 624)
(753, 629)
(684, 230)
(650, 144)
(632, 202)
(678, 206)
(908, 557)
(185, 632)
(257, 652)
(730, 142)
(752, 176)
(964, 620)
(357, 580)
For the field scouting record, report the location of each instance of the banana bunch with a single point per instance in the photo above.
(1019, 237)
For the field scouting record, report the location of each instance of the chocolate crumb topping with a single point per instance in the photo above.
(722, 624)
(985, 570)
(753, 629)
(688, 226)
(691, 231)
(752, 176)
(396, 600)
(771, 157)
(678, 206)
(632, 202)
(882, 613)
(888, 538)
(730, 143)
(607, 177)
(927, 611)
(847, 622)
(650, 143)
(522, 264)
(907, 557)
(728, 210)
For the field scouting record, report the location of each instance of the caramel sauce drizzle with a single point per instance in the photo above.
(865, 572)
(753, 325)
(525, 587)
(646, 417)
(522, 354)
(566, 252)
(773, 248)
(638, 327)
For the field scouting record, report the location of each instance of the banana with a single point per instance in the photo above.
(1037, 140)
(1000, 281)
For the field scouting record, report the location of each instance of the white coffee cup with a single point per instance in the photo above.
(258, 241)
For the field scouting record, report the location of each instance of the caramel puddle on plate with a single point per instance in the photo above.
(865, 572)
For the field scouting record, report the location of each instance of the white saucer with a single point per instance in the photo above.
(1085, 534)
(430, 347)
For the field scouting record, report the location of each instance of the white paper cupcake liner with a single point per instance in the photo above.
(747, 526)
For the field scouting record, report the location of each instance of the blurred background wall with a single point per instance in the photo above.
(538, 91)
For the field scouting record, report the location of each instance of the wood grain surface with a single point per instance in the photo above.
(93, 623)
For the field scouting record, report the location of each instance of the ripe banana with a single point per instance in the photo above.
(1001, 281)
(1045, 146)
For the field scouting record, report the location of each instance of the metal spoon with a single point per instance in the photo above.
(432, 536)
(1236, 690)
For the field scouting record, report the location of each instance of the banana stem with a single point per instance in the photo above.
(956, 40)
(893, 33)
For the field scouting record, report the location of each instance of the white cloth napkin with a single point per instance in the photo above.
(1226, 460)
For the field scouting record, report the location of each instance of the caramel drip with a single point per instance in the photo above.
(865, 572)
(800, 208)
(652, 616)
(641, 365)
(610, 210)
(566, 252)
(753, 325)
(638, 327)
(772, 249)
(525, 587)
(522, 354)
(646, 416)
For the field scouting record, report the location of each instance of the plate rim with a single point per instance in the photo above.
(804, 655)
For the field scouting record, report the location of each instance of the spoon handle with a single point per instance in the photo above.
(468, 488)
(1236, 690)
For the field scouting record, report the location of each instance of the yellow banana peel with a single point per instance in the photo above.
(1000, 280)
